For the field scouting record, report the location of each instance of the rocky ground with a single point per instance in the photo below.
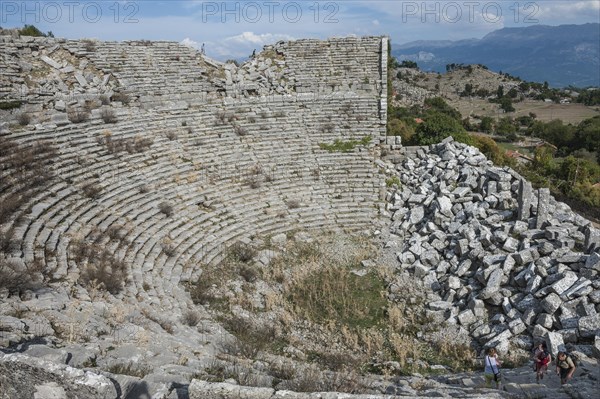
(503, 265)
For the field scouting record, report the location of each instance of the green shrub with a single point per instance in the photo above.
(393, 181)
(334, 293)
(10, 104)
(345, 146)
(30, 30)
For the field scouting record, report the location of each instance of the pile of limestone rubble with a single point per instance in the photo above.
(507, 263)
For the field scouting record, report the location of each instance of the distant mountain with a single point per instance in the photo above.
(561, 55)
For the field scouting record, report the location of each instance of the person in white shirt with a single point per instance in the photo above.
(492, 368)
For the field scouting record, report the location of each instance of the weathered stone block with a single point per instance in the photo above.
(525, 198)
(525, 256)
(464, 267)
(538, 332)
(517, 326)
(420, 270)
(542, 207)
(589, 326)
(592, 239)
(596, 347)
(529, 317)
(580, 288)
(511, 245)
(570, 335)
(463, 247)
(466, 317)
(545, 320)
(533, 284)
(454, 282)
(564, 283)
(593, 261)
(555, 343)
(416, 214)
(551, 303)
(528, 302)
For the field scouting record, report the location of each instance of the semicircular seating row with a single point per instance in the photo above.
(223, 186)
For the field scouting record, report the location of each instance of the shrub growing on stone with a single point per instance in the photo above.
(240, 252)
(10, 104)
(99, 267)
(115, 232)
(293, 203)
(168, 248)
(191, 318)
(89, 45)
(108, 116)
(16, 275)
(24, 119)
(240, 131)
(92, 190)
(166, 208)
(121, 97)
(78, 116)
(171, 135)
(250, 340)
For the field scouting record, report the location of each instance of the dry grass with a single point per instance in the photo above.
(100, 269)
(78, 116)
(108, 116)
(17, 276)
(92, 190)
(315, 300)
(334, 293)
(26, 170)
(191, 318)
(545, 112)
(132, 145)
(24, 119)
(121, 97)
(251, 338)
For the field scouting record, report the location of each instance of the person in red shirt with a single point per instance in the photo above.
(542, 359)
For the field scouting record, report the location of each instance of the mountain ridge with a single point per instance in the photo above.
(562, 55)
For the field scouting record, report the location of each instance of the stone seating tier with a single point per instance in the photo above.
(232, 164)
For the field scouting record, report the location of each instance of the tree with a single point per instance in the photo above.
(30, 30)
(543, 157)
(486, 125)
(438, 104)
(513, 93)
(589, 97)
(525, 120)
(506, 127)
(587, 135)
(500, 92)
(409, 64)
(468, 91)
(506, 104)
(437, 126)
(398, 127)
(561, 135)
(491, 150)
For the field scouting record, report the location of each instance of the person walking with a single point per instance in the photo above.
(542, 359)
(492, 368)
(565, 367)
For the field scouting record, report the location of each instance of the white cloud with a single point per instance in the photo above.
(247, 38)
(375, 22)
(575, 11)
(238, 46)
(190, 43)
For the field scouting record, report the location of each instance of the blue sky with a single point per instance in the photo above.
(232, 29)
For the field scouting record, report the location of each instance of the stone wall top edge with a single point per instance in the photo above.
(144, 41)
